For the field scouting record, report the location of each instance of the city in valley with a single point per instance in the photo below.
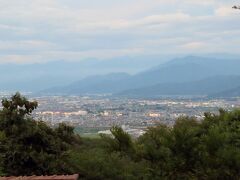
(98, 114)
(94, 114)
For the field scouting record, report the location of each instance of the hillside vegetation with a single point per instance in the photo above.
(209, 149)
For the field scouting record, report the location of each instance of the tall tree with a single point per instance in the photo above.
(28, 146)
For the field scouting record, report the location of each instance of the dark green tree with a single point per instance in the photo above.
(119, 141)
(27, 146)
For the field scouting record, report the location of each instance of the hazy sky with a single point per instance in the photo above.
(46, 30)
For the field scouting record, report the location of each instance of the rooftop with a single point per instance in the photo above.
(55, 177)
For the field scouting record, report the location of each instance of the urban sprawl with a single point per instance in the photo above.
(134, 115)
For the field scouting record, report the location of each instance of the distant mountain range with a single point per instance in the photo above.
(102, 84)
(38, 76)
(184, 76)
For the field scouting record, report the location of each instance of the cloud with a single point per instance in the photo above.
(194, 45)
(45, 30)
(25, 45)
(226, 11)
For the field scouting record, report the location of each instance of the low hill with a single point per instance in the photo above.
(201, 87)
(235, 92)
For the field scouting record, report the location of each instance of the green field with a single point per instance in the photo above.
(89, 132)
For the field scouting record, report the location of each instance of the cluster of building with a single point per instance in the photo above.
(105, 112)
(133, 114)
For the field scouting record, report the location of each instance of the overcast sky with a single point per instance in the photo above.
(46, 30)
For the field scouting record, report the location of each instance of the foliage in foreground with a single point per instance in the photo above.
(209, 149)
(30, 147)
